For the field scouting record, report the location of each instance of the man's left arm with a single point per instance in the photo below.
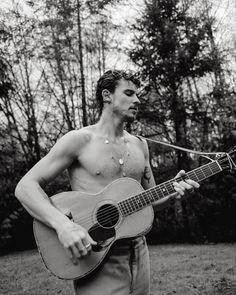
(181, 187)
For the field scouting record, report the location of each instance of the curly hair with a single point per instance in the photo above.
(109, 81)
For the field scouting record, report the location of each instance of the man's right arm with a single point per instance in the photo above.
(29, 190)
(30, 193)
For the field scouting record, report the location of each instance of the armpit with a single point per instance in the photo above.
(147, 174)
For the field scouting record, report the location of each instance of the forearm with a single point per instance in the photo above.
(37, 203)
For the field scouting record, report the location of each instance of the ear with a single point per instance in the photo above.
(106, 96)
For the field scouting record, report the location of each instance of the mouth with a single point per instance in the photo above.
(133, 109)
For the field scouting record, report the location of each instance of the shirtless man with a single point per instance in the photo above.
(94, 157)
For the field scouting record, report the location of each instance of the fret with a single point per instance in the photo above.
(151, 195)
(159, 191)
(147, 199)
(144, 200)
(200, 174)
(195, 172)
(219, 167)
(128, 205)
(164, 190)
(215, 167)
(133, 204)
(134, 200)
(209, 166)
(123, 208)
(139, 202)
(171, 187)
(126, 208)
(206, 169)
(192, 175)
(204, 172)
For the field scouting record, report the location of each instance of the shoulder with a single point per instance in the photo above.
(73, 141)
(82, 135)
(141, 142)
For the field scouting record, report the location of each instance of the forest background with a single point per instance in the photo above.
(53, 51)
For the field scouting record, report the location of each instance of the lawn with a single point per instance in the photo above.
(175, 270)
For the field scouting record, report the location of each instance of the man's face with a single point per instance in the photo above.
(125, 101)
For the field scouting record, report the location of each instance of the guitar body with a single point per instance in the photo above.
(101, 215)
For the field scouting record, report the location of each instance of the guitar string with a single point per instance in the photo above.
(169, 183)
(108, 217)
(228, 157)
(196, 171)
(131, 201)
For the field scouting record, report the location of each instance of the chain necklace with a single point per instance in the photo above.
(123, 159)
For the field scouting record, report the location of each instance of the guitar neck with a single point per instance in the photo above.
(150, 196)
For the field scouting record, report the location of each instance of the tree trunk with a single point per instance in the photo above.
(84, 107)
(179, 115)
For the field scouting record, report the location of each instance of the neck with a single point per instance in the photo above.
(111, 126)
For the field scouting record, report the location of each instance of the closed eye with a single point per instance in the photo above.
(129, 92)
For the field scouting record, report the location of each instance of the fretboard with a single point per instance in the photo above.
(150, 196)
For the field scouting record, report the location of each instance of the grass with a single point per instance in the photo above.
(175, 270)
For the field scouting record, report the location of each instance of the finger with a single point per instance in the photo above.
(179, 191)
(175, 196)
(91, 241)
(74, 254)
(84, 251)
(180, 173)
(86, 243)
(87, 248)
(193, 183)
(81, 247)
(71, 256)
(185, 185)
(178, 188)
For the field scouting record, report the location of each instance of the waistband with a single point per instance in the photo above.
(129, 243)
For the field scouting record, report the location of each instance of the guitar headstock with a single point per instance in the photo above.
(228, 160)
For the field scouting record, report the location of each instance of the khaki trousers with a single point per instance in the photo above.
(126, 271)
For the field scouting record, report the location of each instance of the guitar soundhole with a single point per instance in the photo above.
(108, 216)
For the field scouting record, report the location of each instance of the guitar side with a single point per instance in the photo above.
(83, 208)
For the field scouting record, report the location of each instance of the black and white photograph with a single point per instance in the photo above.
(118, 147)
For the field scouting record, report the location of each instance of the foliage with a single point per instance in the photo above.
(49, 62)
(184, 93)
(182, 71)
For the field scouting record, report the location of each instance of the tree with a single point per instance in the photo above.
(182, 73)
(49, 59)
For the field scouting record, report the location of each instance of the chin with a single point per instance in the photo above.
(130, 119)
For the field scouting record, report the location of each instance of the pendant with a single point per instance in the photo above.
(106, 141)
(121, 161)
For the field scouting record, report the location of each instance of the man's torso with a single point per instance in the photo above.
(101, 161)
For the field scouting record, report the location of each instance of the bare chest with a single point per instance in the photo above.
(110, 161)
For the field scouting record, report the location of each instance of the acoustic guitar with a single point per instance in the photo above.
(121, 210)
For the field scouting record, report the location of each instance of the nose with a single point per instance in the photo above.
(136, 100)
